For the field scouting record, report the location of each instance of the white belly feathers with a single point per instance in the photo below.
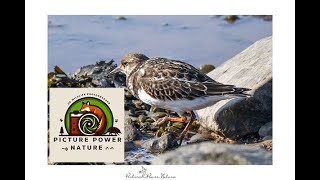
(180, 106)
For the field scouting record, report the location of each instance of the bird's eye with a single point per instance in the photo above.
(124, 63)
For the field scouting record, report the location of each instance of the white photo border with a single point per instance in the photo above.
(283, 12)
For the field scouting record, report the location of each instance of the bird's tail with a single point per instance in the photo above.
(241, 92)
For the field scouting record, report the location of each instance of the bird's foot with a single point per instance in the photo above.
(173, 119)
(177, 119)
(184, 132)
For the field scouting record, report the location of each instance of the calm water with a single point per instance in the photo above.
(75, 41)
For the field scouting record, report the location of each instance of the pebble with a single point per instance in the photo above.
(178, 125)
(142, 118)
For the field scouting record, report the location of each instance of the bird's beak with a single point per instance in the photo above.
(113, 72)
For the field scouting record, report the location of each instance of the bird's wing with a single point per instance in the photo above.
(173, 80)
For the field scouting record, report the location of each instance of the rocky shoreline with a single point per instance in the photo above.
(236, 131)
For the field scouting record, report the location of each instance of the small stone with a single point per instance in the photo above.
(178, 125)
(144, 126)
(267, 138)
(142, 118)
(265, 17)
(119, 80)
(171, 128)
(145, 107)
(139, 112)
(206, 68)
(165, 24)
(121, 18)
(137, 156)
(191, 133)
(129, 146)
(159, 133)
(197, 138)
(132, 112)
(150, 120)
(127, 94)
(266, 130)
(173, 114)
(105, 83)
(153, 127)
(231, 19)
(134, 119)
(131, 133)
(159, 145)
(161, 122)
(127, 105)
(157, 115)
(138, 107)
(137, 102)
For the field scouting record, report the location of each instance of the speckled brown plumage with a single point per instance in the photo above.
(170, 80)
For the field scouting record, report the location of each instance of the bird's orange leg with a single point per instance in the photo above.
(175, 119)
(184, 132)
(181, 119)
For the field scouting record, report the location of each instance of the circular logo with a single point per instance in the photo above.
(88, 116)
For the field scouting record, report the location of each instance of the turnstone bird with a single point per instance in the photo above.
(173, 85)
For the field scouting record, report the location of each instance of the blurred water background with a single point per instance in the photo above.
(75, 41)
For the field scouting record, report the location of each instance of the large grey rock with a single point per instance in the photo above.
(210, 153)
(161, 144)
(131, 133)
(235, 118)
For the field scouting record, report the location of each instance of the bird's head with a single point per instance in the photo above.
(129, 62)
